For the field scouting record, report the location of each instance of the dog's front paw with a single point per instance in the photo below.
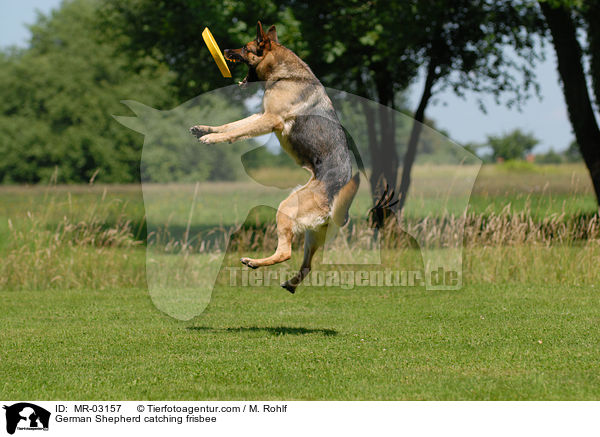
(249, 262)
(199, 130)
(212, 138)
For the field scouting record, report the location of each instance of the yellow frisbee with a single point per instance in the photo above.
(215, 52)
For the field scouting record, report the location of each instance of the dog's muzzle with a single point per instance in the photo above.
(232, 56)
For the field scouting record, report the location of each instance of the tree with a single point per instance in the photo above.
(57, 97)
(550, 157)
(376, 49)
(170, 33)
(573, 153)
(563, 19)
(514, 145)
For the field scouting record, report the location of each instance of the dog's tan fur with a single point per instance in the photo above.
(291, 90)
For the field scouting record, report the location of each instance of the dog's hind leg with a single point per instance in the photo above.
(305, 208)
(285, 234)
(313, 239)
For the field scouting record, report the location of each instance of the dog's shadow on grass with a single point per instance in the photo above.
(275, 330)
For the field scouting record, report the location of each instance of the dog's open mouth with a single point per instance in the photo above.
(232, 57)
(236, 58)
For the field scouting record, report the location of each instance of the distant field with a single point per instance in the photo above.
(540, 191)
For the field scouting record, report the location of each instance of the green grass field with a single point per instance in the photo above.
(483, 342)
(78, 321)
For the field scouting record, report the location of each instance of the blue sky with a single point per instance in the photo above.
(546, 119)
(14, 15)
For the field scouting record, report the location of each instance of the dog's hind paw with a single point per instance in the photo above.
(289, 287)
(249, 262)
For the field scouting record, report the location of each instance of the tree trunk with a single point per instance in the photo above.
(592, 16)
(381, 130)
(411, 149)
(374, 149)
(575, 90)
(387, 140)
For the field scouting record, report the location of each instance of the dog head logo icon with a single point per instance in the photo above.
(26, 416)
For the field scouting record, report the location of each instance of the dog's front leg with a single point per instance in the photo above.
(263, 124)
(200, 130)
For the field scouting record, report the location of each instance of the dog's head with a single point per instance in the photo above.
(254, 53)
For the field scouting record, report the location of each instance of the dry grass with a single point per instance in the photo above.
(473, 230)
(94, 251)
(74, 237)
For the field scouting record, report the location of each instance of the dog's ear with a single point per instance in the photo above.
(272, 34)
(260, 33)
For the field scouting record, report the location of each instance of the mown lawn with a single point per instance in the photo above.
(482, 342)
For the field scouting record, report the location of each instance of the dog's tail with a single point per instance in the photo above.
(343, 200)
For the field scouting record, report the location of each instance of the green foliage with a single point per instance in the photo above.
(57, 97)
(170, 32)
(372, 49)
(58, 94)
(573, 154)
(518, 166)
(473, 147)
(375, 49)
(514, 145)
(550, 157)
(171, 154)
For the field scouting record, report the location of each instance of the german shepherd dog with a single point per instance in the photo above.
(297, 108)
